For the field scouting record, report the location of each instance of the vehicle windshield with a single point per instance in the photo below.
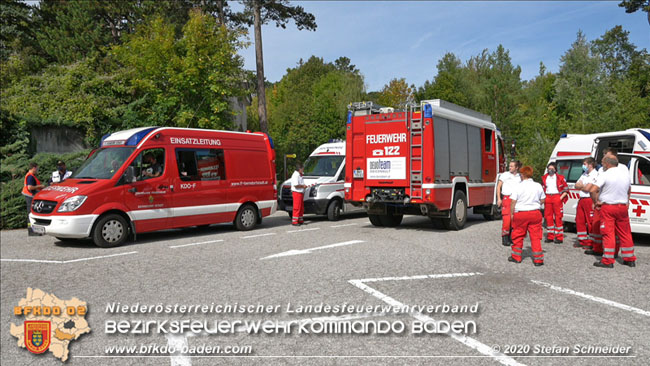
(104, 163)
(323, 166)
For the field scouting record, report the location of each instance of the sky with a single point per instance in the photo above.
(405, 39)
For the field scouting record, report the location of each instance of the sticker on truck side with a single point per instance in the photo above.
(386, 168)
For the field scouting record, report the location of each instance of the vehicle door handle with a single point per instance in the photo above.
(133, 190)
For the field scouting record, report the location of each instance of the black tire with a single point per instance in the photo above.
(110, 231)
(495, 215)
(391, 219)
(334, 210)
(458, 214)
(246, 218)
(375, 220)
(437, 223)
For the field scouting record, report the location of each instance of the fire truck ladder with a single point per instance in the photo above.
(415, 151)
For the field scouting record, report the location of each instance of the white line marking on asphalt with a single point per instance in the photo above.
(344, 225)
(468, 341)
(422, 277)
(66, 261)
(594, 298)
(301, 230)
(178, 342)
(190, 244)
(307, 251)
(257, 236)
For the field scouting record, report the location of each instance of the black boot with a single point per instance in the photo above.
(505, 241)
(510, 259)
(603, 265)
(629, 263)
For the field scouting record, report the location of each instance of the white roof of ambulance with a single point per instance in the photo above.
(576, 144)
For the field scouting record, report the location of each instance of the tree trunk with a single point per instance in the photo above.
(261, 92)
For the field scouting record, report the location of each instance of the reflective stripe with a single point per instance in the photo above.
(608, 256)
(627, 255)
(610, 250)
(515, 252)
(626, 250)
(581, 233)
(538, 253)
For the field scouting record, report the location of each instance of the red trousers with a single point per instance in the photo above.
(553, 210)
(298, 208)
(584, 214)
(594, 234)
(615, 221)
(527, 222)
(505, 216)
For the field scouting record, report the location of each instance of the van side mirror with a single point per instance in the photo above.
(129, 174)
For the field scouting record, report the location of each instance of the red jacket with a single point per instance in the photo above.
(562, 186)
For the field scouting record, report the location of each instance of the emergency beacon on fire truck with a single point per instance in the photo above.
(151, 178)
(435, 159)
(633, 148)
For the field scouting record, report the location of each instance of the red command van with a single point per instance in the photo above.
(148, 179)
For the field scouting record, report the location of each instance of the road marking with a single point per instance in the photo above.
(307, 251)
(257, 236)
(191, 244)
(301, 230)
(468, 341)
(178, 342)
(421, 277)
(593, 298)
(67, 261)
(344, 225)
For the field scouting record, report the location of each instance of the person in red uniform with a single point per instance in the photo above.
(526, 202)
(556, 190)
(611, 193)
(31, 186)
(507, 183)
(298, 193)
(585, 209)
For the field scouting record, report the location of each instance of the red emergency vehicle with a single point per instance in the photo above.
(435, 159)
(148, 179)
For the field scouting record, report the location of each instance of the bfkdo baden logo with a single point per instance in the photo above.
(50, 324)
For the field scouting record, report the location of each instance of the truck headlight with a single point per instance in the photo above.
(313, 191)
(72, 203)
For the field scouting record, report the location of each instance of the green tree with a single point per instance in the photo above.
(397, 93)
(632, 6)
(448, 84)
(616, 52)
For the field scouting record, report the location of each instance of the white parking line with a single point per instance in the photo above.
(421, 277)
(67, 261)
(344, 225)
(468, 341)
(307, 251)
(301, 230)
(191, 244)
(257, 236)
(593, 298)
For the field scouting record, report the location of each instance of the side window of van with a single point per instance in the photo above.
(149, 164)
(201, 164)
(570, 169)
(643, 172)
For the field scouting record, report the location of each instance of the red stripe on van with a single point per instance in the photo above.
(572, 153)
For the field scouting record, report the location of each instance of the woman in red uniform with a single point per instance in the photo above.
(556, 190)
(526, 202)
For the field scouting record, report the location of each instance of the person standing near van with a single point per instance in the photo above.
(585, 209)
(61, 173)
(556, 190)
(527, 199)
(611, 193)
(31, 186)
(508, 181)
(298, 193)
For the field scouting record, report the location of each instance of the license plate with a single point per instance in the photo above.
(38, 229)
(358, 173)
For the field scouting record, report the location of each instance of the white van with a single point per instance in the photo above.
(633, 148)
(325, 169)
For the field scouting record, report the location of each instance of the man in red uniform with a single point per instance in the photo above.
(585, 209)
(611, 193)
(556, 190)
(298, 193)
(31, 186)
(526, 201)
(507, 183)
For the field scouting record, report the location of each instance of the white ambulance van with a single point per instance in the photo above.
(325, 169)
(633, 148)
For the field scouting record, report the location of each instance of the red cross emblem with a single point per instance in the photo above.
(639, 211)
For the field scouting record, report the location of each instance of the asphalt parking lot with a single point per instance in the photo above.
(565, 303)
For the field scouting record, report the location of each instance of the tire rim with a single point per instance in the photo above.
(247, 217)
(112, 231)
(460, 210)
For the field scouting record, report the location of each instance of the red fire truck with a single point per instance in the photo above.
(435, 159)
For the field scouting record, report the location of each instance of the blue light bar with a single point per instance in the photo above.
(135, 139)
(428, 111)
(563, 135)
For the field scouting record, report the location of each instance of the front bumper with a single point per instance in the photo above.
(312, 206)
(77, 226)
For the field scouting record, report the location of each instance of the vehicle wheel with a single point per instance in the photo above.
(391, 219)
(334, 210)
(375, 220)
(110, 231)
(246, 218)
(458, 214)
(495, 215)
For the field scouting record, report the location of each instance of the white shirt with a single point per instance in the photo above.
(296, 180)
(614, 184)
(551, 184)
(510, 182)
(587, 178)
(528, 195)
(56, 176)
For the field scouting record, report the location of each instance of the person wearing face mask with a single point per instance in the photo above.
(61, 173)
(585, 210)
(508, 181)
(526, 201)
(556, 190)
